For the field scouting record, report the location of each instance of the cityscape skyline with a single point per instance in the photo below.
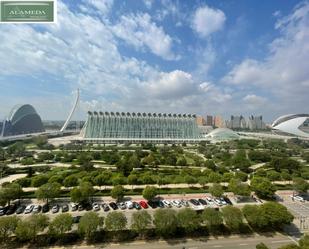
(127, 56)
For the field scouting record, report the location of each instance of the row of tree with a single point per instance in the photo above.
(166, 222)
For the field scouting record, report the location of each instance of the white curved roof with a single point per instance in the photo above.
(291, 123)
(223, 134)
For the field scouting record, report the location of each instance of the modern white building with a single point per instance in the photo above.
(294, 124)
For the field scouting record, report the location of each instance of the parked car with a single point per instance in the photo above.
(74, 206)
(121, 205)
(105, 207)
(65, 208)
(217, 202)
(160, 204)
(3, 210)
(136, 205)
(36, 209)
(298, 198)
(55, 209)
(11, 209)
(45, 208)
(76, 219)
(80, 207)
(129, 204)
(184, 203)
(152, 204)
(87, 206)
(167, 203)
(95, 206)
(210, 201)
(143, 204)
(176, 203)
(227, 200)
(113, 205)
(29, 209)
(223, 202)
(194, 202)
(203, 202)
(20, 209)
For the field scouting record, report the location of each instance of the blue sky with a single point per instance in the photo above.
(205, 57)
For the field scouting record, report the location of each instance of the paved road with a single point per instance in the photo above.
(232, 242)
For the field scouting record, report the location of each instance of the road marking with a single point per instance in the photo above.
(243, 244)
(217, 246)
(280, 241)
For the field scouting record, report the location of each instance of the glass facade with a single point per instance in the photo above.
(109, 125)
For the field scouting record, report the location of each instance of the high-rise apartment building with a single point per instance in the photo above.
(237, 122)
(256, 123)
(200, 121)
(219, 122)
(209, 120)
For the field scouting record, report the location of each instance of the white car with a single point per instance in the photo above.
(217, 202)
(176, 203)
(129, 204)
(223, 202)
(185, 203)
(36, 209)
(166, 203)
(96, 206)
(297, 198)
(74, 206)
(29, 209)
(209, 201)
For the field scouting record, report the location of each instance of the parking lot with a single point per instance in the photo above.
(300, 209)
(103, 207)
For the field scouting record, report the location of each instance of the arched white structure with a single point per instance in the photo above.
(71, 113)
(292, 124)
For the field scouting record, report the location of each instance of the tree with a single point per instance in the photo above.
(29, 228)
(8, 226)
(10, 192)
(141, 220)
(188, 219)
(60, 225)
(216, 190)
(132, 179)
(70, 181)
(190, 179)
(165, 221)
(89, 224)
(232, 217)
(39, 180)
(263, 187)
(115, 221)
(300, 185)
(261, 246)
(117, 192)
(48, 191)
(82, 193)
(239, 188)
(150, 192)
(76, 195)
(276, 214)
(212, 218)
(255, 217)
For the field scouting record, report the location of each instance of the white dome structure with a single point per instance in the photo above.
(294, 124)
(222, 134)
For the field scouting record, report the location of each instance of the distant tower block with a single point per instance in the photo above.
(71, 113)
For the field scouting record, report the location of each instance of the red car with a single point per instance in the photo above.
(143, 204)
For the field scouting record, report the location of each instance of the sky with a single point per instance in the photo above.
(225, 58)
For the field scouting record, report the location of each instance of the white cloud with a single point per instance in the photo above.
(173, 85)
(254, 100)
(140, 31)
(284, 73)
(148, 3)
(207, 20)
